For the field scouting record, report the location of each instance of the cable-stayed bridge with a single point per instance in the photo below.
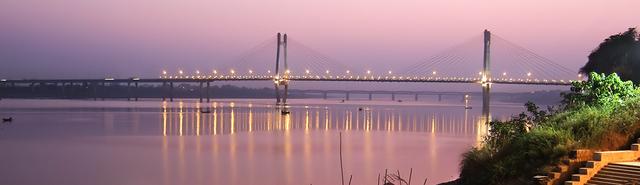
(485, 59)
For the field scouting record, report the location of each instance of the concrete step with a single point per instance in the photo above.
(621, 170)
(615, 173)
(605, 179)
(613, 178)
(618, 174)
(600, 182)
(616, 165)
(610, 179)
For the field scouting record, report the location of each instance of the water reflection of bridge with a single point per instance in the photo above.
(228, 118)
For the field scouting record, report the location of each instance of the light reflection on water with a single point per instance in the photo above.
(242, 142)
(221, 118)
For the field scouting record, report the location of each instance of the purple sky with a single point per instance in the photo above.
(124, 38)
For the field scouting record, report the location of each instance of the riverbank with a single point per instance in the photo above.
(599, 114)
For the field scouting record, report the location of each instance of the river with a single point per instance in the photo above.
(243, 141)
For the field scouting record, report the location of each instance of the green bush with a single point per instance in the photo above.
(517, 160)
(600, 89)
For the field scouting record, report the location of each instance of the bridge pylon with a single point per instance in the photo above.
(281, 78)
(486, 77)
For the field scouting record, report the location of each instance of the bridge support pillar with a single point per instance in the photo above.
(100, 90)
(164, 91)
(135, 91)
(370, 96)
(3, 89)
(33, 88)
(486, 99)
(281, 78)
(286, 93)
(94, 86)
(281, 99)
(85, 88)
(324, 95)
(415, 97)
(347, 96)
(128, 91)
(208, 88)
(63, 96)
(104, 89)
(277, 94)
(200, 91)
(171, 91)
(393, 96)
(439, 97)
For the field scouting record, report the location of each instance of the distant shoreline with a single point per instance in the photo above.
(230, 92)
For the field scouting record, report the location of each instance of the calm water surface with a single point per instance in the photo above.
(237, 142)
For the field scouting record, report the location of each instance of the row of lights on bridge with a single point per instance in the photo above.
(368, 72)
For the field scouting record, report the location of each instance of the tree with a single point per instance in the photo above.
(620, 53)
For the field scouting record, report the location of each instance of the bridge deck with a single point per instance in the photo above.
(196, 79)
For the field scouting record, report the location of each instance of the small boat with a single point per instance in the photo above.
(205, 111)
(468, 107)
(285, 112)
(9, 119)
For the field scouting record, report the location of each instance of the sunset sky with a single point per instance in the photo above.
(125, 38)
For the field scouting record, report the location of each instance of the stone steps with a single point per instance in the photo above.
(615, 173)
(610, 167)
